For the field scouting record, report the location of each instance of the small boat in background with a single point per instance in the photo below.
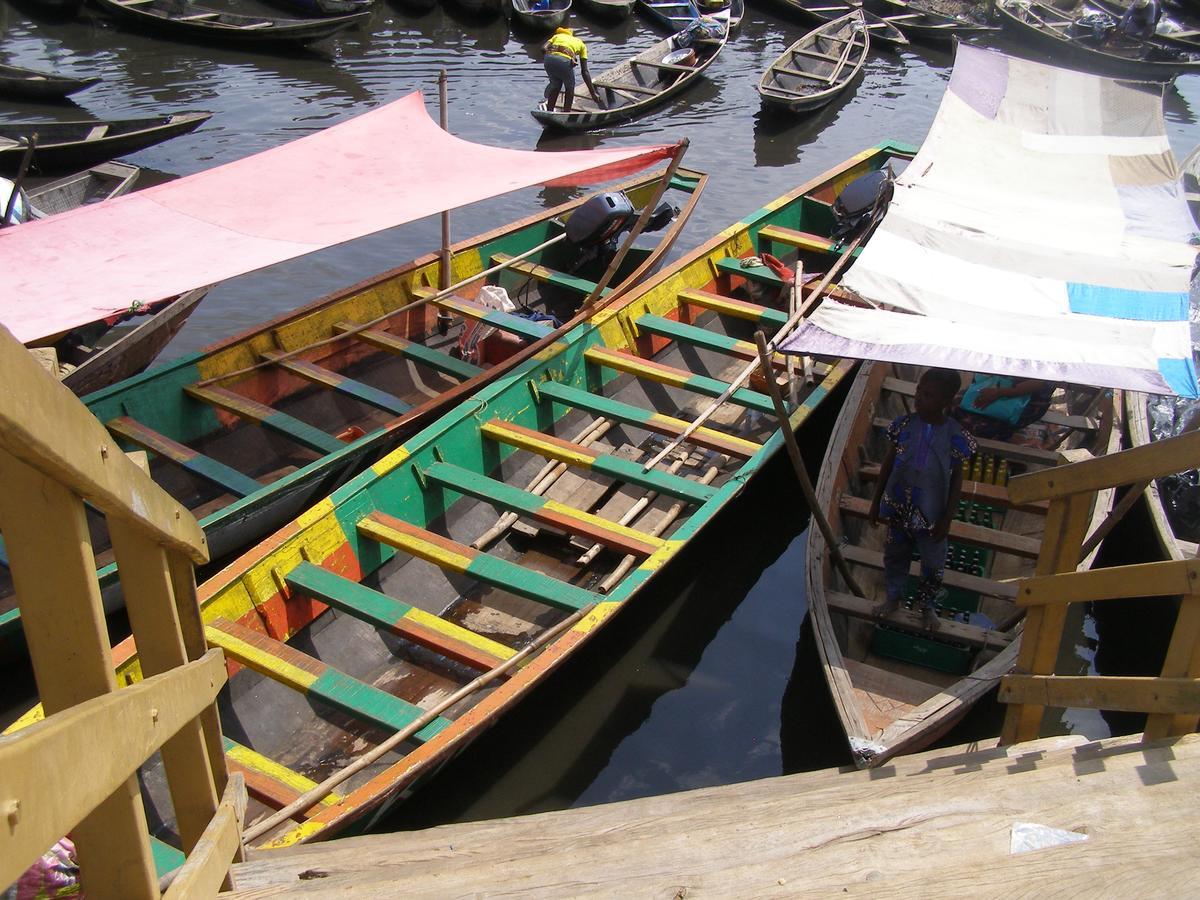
(326, 7)
(543, 15)
(71, 146)
(636, 86)
(676, 15)
(925, 24)
(819, 66)
(609, 9)
(182, 18)
(35, 84)
(882, 32)
(1171, 30)
(479, 7)
(100, 182)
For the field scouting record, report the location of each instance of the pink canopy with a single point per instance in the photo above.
(383, 168)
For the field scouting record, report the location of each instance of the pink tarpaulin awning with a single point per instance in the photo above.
(383, 168)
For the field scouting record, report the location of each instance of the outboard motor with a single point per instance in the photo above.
(859, 202)
(600, 219)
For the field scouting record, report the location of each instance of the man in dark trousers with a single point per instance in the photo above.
(562, 51)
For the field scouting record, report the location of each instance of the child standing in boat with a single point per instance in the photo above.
(918, 490)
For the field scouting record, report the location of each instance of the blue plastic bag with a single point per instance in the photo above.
(1006, 409)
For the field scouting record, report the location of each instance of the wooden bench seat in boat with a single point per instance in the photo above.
(307, 674)
(911, 620)
(469, 309)
(976, 535)
(666, 67)
(814, 54)
(335, 381)
(1014, 452)
(796, 73)
(544, 273)
(978, 491)
(801, 240)
(873, 559)
(732, 306)
(271, 783)
(225, 477)
(704, 339)
(633, 364)
(384, 340)
(731, 265)
(268, 417)
(626, 86)
(1052, 417)
(391, 615)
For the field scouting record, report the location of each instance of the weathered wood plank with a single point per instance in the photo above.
(1157, 579)
(977, 535)
(1172, 696)
(911, 621)
(221, 843)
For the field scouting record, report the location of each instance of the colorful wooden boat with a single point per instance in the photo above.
(1172, 545)
(428, 587)
(193, 21)
(818, 67)
(542, 15)
(256, 428)
(16, 81)
(830, 10)
(634, 87)
(896, 687)
(72, 146)
(1120, 56)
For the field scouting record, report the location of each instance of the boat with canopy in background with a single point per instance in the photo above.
(1068, 263)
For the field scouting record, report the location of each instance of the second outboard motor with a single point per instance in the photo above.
(859, 201)
(600, 219)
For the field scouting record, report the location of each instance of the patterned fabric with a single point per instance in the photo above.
(916, 492)
(56, 874)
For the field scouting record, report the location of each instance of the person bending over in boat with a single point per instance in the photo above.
(997, 406)
(562, 51)
(1141, 19)
(918, 490)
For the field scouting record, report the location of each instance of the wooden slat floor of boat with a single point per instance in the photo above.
(976, 491)
(873, 559)
(801, 240)
(977, 535)
(732, 306)
(450, 555)
(395, 617)
(601, 463)
(364, 393)
(469, 309)
(272, 783)
(909, 620)
(310, 676)
(543, 510)
(384, 340)
(632, 364)
(885, 696)
(225, 477)
(1052, 417)
(659, 423)
(796, 73)
(544, 273)
(1004, 449)
(280, 422)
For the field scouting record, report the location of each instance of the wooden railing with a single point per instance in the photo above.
(76, 771)
(1171, 700)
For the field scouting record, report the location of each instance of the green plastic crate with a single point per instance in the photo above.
(911, 648)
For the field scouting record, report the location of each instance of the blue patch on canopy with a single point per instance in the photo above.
(1118, 303)
(1180, 374)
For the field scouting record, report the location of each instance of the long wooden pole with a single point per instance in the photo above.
(26, 159)
(647, 212)
(444, 116)
(806, 485)
(315, 795)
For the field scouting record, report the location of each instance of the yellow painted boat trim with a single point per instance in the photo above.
(391, 461)
(660, 556)
(601, 522)
(534, 445)
(252, 759)
(259, 660)
(463, 635)
(593, 619)
(417, 546)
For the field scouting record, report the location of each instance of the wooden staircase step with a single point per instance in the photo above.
(658, 423)
(268, 417)
(226, 478)
(731, 306)
(977, 535)
(468, 309)
(545, 273)
(976, 491)
(543, 510)
(635, 365)
(1052, 417)
(364, 393)
(911, 620)
(601, 463)
(307, 674)
(873, 559)
(272, 783)
(435, 359)
(408, 622)
(452, 556)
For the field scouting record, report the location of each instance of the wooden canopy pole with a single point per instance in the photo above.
(647, 212)
(806, 485)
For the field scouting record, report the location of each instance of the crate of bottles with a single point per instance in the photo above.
(943, 656)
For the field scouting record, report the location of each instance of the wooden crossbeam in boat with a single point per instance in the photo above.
(223, 476)
(801, 240)
(813, 54)
(197, 17)
(1005, 590)
(307, 674)
(450, 555)
(599, 405)
(1015, 452)
(408, 622)
(976, 491)
(731, 265)
(633, 364)
(601, 463)
(1052, 417)
(625, 86)
(543, 510)
(546, 274)
(468, 309)
(273, 783)
(912, 620)
(977, 535)
(666, 67)
(709, 340)
(266, 416)
(731, 306)
(364, 393)
(435, 359)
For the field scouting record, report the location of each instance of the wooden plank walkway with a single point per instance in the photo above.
(936, 824)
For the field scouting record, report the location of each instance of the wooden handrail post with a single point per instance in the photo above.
(1182, 661)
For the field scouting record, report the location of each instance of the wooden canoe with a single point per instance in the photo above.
(921, 23)
(819, 66)
(1172, 545)
(193, 21)
(38, 85)
(72, 146)
(609, 9)
(829, 10)
(631, 88)
(247, 439)
(1170, 31)
(675, 15)
(552, 16)
(896, 687)
(1119, 56)
(326, 7)
(428, 588)
(98, 183)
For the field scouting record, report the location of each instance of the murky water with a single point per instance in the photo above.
(714, 678)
